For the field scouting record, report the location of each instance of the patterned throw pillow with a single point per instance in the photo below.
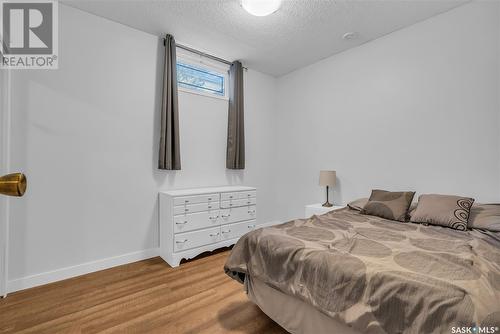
(389, 204)
(444, 210)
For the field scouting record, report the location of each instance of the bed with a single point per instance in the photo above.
(345, 272)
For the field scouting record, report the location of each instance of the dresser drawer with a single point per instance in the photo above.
(238, 214)
(238, 202)
(247, 194)
(186, 200)
(232, 231)
(229, 196)
(195, 221)
(185, 209)
(183, 241)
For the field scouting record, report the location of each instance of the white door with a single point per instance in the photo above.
(4, 162)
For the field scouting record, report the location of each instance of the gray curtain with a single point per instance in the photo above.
(170, 157)
(235, 156)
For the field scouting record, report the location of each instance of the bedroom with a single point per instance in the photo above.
(402, 96)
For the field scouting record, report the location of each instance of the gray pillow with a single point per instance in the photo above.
(444, 210)
(389, 204)
(358, 204)
(411, 210)
(485, 216)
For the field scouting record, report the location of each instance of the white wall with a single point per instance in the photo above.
(415, 110)
(86, 136)
(4, 138)
(498, 82)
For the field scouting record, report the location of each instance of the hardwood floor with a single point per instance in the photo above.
(143, 297)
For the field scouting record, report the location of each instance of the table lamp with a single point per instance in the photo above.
(327, 178)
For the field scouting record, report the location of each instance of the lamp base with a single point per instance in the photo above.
(327, 204)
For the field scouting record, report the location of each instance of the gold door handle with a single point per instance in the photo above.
(13, 184)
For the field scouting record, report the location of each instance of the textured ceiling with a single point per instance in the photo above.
(301, 32)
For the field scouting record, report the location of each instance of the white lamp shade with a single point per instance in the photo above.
(327, 178)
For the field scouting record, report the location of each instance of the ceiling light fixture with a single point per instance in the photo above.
(261, 7)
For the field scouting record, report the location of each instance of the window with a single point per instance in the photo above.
(201, 79)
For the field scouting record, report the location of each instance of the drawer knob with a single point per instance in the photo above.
(210, 198)
(213, 218)
(228, 231)
(251, 212)
(214, 235)
(181, 223)
(186, 210)
(226, 216)
(251, 226)
(186, 201)
(181, 241)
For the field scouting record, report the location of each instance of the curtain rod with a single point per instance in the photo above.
(206, 55)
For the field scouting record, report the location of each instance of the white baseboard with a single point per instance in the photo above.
(89, 267)
(81, 269)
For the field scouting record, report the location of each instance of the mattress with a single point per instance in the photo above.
(293, 314)
(375, 275)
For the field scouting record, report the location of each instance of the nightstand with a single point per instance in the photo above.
(317, 209)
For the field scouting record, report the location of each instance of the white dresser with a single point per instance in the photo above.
(193, 221)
